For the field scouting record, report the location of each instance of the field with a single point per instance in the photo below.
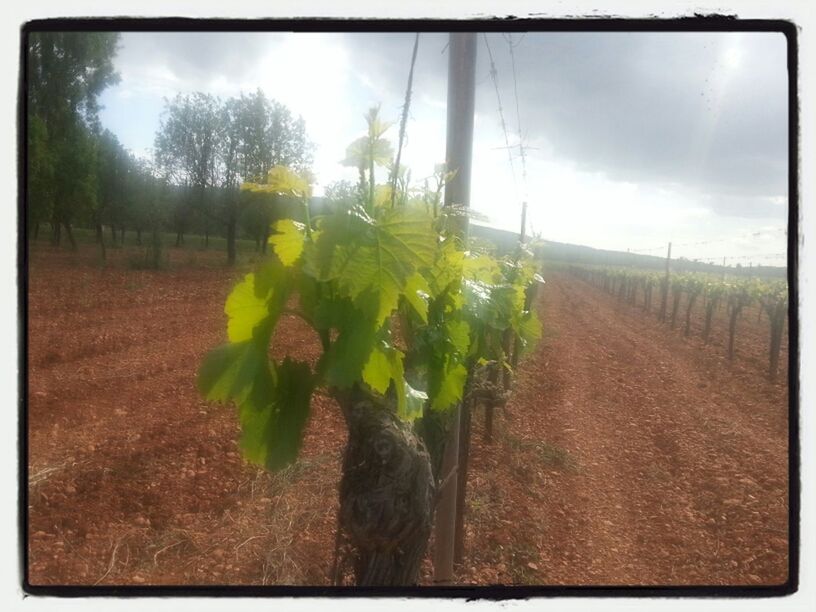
(628, 453)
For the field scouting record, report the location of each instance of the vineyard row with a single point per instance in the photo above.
(637, 287)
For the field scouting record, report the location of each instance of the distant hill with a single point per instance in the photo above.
(505, 241)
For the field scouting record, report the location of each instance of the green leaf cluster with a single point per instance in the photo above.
(403, 312)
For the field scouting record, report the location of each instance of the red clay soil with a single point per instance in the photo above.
(627, 455)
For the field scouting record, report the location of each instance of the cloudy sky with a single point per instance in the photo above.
(633, 139)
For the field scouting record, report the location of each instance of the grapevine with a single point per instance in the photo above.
(404, 315)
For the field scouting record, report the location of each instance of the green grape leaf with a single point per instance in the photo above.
(283, 181)
(288, 241)
(529, 329)
(417, 293)
(447, 266)
(385, 365)
(272, 431)
(372, 259)
(350, 352)
(245, 310)
(491, 305)
(230, 371)
(448, 384)
(482, 268)
(413, 404)
(459, 333)
(378, 371)
(256, 300)
(362, 151)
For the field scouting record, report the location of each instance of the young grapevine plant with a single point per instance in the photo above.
(402, 312)
(345, 278)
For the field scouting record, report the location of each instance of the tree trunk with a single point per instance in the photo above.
(35, 230)
(56, 229)
(231, 241)
(386, 494)
(179, 238)
(113, 236)
(100, 238)
(156, 248)
(265, 240)
(122, 235)
(70, 235)
(139, 236)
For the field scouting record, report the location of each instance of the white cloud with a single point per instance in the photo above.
(571, 198)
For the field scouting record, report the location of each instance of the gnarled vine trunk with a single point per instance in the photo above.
(386, 494)
(691, 299)
(732, 329)
(664, 295)
(675, 307)
(711, 306)
(777, 319)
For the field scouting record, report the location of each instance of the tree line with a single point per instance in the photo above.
(79, 174)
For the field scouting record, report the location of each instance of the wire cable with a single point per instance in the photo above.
(494, 76)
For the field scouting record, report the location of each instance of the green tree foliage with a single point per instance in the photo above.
(342, 194)
(209, 147)
(115, 167)
(40, 175)
(67, 71)
(186, 148)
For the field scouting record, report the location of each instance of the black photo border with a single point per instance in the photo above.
(510, 23)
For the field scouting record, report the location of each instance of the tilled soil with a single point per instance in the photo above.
(631, 455)
(627, 455)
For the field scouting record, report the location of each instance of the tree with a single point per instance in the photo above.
(269, 135)
(342, 194)
(40, 175)
(230, 156)
(209, 148)
(67, 71)
(113, 166)
(187, 148)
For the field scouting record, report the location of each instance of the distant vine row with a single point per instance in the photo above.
(637, 288)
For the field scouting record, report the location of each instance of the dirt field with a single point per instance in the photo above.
(628, 454)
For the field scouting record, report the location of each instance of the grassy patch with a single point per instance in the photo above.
(548, 454)
(521, 555)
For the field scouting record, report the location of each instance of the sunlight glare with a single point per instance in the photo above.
(732, 58)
